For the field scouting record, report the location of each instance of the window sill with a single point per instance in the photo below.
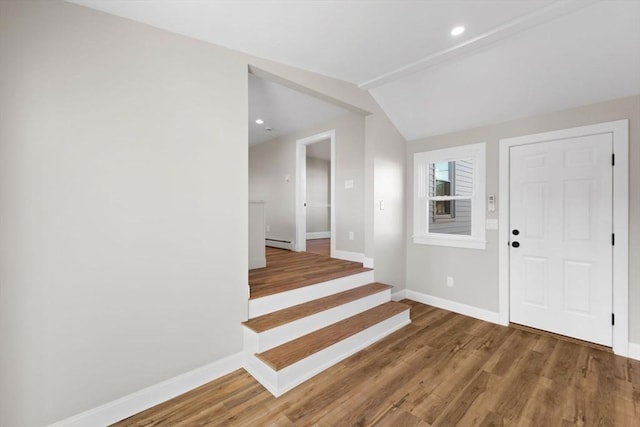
(460, 242)
(441, 219)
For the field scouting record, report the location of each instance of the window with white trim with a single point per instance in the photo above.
(449, 197)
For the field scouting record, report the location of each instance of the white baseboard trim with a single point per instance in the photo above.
(367, 262)
(399, 295)
(634, 351)
(458, 307)
(134, 403)
(319, 235)
(349, 256)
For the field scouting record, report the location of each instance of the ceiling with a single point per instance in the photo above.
(283, 110)
(584, 57)
(516, 58)
(355, 41)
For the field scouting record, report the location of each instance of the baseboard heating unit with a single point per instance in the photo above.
(281, 244)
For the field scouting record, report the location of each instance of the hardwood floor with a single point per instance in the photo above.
(294, 351)
(290, 314)
(319, 247)
(444, 369)
(288, 270)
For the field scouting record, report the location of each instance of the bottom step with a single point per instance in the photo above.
(282, 368)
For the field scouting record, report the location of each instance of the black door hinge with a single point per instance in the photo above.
(613, 239)
(613, 319)
(613, 159)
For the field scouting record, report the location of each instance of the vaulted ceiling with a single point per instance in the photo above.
(515, 59)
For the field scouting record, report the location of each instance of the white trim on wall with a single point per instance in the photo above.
(620, 132)
(348, 256)
(301, 177)
(319, 235)
(139, 401)
(423, 162)
(367, 262)
(457, 307)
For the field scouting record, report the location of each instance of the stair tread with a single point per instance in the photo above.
(286, 271)
(281, 317)
(289, 353)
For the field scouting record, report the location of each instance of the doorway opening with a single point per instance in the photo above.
(315, 193)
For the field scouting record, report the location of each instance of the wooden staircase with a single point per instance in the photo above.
(294, 335)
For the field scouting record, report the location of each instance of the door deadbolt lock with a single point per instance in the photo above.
(515, 244)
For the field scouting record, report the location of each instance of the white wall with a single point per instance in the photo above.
(318, 194)
(476, 271)
(272, 161)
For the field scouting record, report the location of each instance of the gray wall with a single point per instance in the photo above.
(123, 245)
(272, 178)
(384, 182)
(123, 198)
(271, 161)
(319, 194)
(476, 271)
(384, 162)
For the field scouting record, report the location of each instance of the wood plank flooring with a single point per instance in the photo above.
(288, 315)
(293, 351)
(288, 270)
(443, 369)
(319, 247)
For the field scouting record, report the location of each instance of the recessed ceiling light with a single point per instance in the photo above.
(259, 121)
(457, 30)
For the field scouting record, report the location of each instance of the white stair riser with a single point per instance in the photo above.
(262, 373)
(271, 303)
(284, 380)
(258, 342)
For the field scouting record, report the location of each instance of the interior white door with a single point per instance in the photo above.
(561, 236)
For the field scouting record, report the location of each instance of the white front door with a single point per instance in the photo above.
(561, 236)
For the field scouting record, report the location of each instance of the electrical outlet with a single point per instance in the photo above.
(351, 235)
(450, 281)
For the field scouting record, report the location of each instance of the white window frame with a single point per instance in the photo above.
(451, 215)
(421, 164)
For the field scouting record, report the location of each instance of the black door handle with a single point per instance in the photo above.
(516, 232)
(515, 244)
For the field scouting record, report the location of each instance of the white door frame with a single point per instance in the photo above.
(301, 186)
(620, 133)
